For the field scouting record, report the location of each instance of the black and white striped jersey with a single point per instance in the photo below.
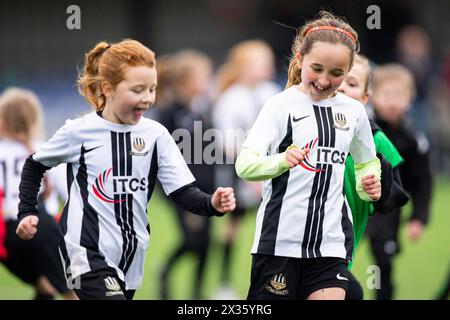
(111, 173)
(303, 212)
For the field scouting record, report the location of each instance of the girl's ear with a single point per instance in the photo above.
(106, 89)
(365, 98)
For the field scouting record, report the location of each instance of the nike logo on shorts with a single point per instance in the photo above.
(339, 277)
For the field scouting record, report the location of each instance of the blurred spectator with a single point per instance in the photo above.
(244, 85)
(440, 117)
(184, 79)
(414, 52)
(393, 93)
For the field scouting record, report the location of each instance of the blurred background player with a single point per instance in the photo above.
(244, 84)
(35, 262)
(356, 85)
(186, 76)
(393, 93)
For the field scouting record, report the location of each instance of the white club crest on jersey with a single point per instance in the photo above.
(138, 146)
(340, 121)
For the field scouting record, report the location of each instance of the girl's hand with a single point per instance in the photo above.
(223, 200)
(295, 156)
(372, 186)
(415, 230)
(27, 227)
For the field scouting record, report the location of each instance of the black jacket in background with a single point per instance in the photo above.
(178, 116)
(415, 171)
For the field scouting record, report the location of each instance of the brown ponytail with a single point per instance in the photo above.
(294, 73)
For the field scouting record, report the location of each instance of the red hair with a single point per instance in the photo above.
(109, 62)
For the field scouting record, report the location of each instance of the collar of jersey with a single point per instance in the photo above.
(296, 91)
(115, 126)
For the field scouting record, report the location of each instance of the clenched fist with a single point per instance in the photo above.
(27, 227)
(295, 156)
(223, 200)
(372, 186)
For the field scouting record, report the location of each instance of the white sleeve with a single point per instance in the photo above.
(57, 150)
(362, 147)
(173, 172)
(265, 131)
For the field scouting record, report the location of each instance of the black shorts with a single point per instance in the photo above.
(286, 278)
(30, 259)
(102, 284)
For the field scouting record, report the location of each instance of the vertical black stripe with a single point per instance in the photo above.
(65, 212)
(89, 236)
(327, 117)
(126, 230)
(121, 154)
(133, 237)
(124, 218)
(326, 127)
(314, 198)
(347, 228)
(65, 260)
(152, 173)
(128, 153)
(114, 154)
(313, 234)
(123, 206)
(311, 206)
(63, 221)
(318, 242)
(319, 126)
(127, 218)
(320, 200)
(273, 208)
(121, 223)
(317, 204)
(332, 129)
